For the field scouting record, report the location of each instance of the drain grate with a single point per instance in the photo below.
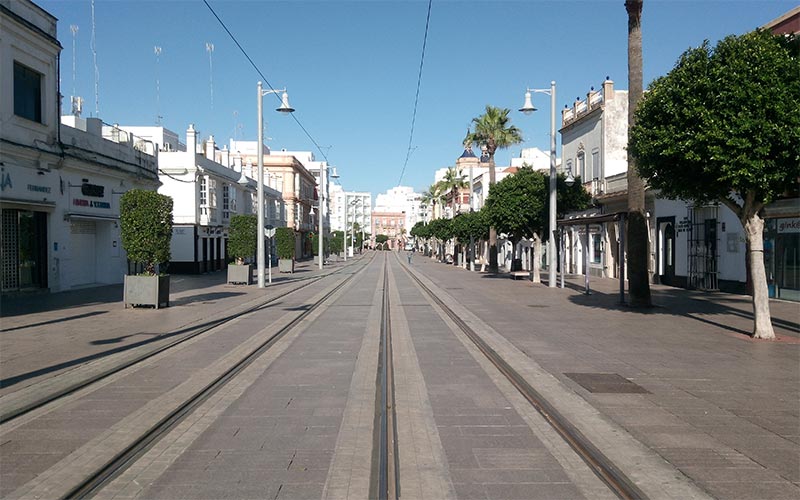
(606, 383)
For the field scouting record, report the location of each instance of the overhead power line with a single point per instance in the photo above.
(263, 78)
(409, 150)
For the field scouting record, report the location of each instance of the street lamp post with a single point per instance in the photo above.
(528, 108)
(284, 108)
(321, 199)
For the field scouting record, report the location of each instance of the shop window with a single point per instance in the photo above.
(27, 93)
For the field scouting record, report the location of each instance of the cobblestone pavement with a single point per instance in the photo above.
(678, 395)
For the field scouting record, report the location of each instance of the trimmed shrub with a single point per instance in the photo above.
(243, 237)
(146, 227)
(284, 242)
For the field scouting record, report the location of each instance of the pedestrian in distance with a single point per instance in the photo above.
(409, 254)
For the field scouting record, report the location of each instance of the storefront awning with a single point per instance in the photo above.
(592, 219)
(79, 216)
(11, 203)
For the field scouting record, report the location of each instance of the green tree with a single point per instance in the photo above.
(493, 130)
(432, 196)
(243, 237)
(724, 126)
(441, 230)
(146, 227)
(638, 240)
(518, 205)
(336, 242)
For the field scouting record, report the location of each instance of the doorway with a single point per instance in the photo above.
(666, 257)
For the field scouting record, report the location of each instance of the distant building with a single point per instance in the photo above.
(208, 186)
(294, 181)
(393, 225)
(401, 199)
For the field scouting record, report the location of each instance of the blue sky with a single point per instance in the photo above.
(351, 68)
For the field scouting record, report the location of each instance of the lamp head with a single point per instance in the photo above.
(528, 107)
(285, 108)
(570, 180)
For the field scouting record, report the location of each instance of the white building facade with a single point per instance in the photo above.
(60, 184)
(208, 186)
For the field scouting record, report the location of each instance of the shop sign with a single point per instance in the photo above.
(92, 190)
(791, 225)
(5, 181)
(80, 202)
(683, 225)
(39, 189)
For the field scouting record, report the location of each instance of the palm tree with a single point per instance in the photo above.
(452, 183)
(638, 279)
(431, 196)
(493, 131)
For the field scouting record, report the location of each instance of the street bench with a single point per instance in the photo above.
(520, 274)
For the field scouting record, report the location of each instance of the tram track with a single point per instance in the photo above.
(9, 413)
(385, 476)
(604, 468)
(135, 449)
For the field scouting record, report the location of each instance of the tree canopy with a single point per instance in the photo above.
(493, 129)
(724, 123)
(518, 205)
(724, 126)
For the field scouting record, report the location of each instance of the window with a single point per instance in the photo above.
(27, 93)
(595, 164)
(582, 167)
(226, 201)
(203, 191)
(597, 248)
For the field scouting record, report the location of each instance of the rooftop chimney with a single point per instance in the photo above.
(191, 139)
(210, 148)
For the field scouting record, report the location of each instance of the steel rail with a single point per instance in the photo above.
(385, 476)
(616, 480)
(10, 415)
(96, 480)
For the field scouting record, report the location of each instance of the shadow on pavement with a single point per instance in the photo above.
(52, 321)
(681, 302)
(42, 302)
(204, 297)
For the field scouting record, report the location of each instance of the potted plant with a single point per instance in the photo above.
(285, 241)
(146, 227)
(242, 243)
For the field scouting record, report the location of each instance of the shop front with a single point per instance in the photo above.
(782, 257)
(26, 204)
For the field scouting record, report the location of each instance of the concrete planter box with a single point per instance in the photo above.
(146, 291)
(240, 274)
(286, 265)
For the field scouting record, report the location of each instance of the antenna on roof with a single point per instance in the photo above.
(157, 52)
(96, 70)
(210, 50)
(74, 29)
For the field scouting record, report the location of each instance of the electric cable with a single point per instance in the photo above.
(264, 78)
(416, 97)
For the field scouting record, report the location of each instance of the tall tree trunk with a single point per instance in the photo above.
(754, 233)
(537, 257)
(492, 230)
(638, 276)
